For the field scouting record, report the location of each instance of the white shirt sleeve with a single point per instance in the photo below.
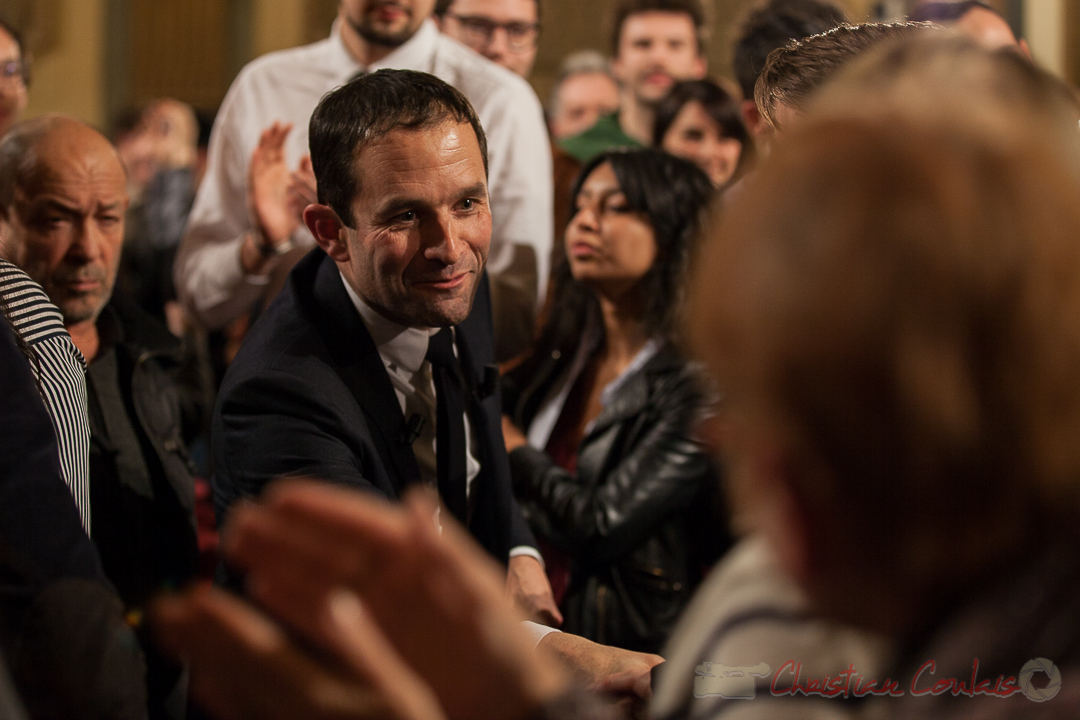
(520, 184)
(537, 631)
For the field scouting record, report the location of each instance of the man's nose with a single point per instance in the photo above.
(88, 240)
(499, 45)
(442, 243)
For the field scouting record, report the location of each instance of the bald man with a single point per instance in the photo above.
(975, 19)
(62, 202)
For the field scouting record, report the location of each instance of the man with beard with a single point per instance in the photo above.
(233, 258)
(655, 43)
(62, 203)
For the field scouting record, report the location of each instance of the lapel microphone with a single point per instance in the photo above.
(413, 428)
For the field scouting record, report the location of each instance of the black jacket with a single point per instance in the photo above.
(308, 395)
(641, 519)
(146, 536)
(62, 630)
(164, 409)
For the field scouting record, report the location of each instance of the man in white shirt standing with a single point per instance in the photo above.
(246, 231)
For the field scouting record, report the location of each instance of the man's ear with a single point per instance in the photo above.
(1025, 49)
(330, 233)
(701, 66)
(751, 117)
(617, 71)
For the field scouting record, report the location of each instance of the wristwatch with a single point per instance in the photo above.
(266, 250)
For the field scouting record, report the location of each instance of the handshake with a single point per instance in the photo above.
(362, 610)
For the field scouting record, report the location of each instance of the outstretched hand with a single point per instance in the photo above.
(528, 588)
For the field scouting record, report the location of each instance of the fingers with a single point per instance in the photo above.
(243, 666)
(360, 642)
(549, 615)
(272, 139)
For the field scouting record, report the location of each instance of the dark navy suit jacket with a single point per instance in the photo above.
(308, 395)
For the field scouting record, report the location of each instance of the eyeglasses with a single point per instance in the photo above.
(479, 30)
(12, 70)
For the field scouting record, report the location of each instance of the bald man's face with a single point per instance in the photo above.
(65, 225)
(986, 28)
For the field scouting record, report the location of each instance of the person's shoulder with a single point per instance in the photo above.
(606, 134)
(280, 66)
(482, 81)
(32, 313)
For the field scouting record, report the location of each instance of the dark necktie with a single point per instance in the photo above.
(449, 423)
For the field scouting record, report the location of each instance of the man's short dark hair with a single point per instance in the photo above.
(368, 108)
(629, 8)
(443, 6)
(773, 25)
(948, 12)
(792, 73)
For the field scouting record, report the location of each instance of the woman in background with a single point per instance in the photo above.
(699, 120)
(604, 463)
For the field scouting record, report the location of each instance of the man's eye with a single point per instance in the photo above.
(109, 219)
(468, 204)
(407, 216)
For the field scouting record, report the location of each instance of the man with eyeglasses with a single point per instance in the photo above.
(503, 31)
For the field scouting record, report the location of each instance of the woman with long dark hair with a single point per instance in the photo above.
(604, 463)
(699, 120)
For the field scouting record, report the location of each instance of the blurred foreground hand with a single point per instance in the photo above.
(424, 606)
(365, 611)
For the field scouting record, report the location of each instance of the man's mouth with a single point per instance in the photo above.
(388, 12)
(82, 283)
(448, 283)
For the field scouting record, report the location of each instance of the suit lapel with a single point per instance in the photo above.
(357, 361)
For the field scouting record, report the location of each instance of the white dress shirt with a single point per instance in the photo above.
(403, 351)
(286, 86)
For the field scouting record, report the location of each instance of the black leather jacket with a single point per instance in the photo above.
(641, 519)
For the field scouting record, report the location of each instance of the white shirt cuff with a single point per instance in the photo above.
(530, 551)
(537, 631)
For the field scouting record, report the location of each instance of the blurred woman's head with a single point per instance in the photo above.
(635, 216)
(13, 76)
(699, 121)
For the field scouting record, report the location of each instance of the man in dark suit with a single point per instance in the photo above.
(374, 367)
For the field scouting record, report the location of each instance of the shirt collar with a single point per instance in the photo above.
(414, 54)
(397, 344)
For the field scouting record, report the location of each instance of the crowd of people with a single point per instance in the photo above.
(671, 397)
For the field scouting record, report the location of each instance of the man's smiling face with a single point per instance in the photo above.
(421, 225)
